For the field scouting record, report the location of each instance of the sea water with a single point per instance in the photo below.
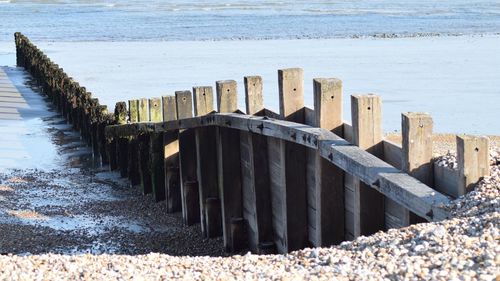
(445, 63)
(139, 20)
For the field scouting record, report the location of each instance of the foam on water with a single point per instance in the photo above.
(138, 20)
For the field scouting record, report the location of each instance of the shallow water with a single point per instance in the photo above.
(455, 79)
(139, 20)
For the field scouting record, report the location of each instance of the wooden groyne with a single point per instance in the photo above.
(270, 182)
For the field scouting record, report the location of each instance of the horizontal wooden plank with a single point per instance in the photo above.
(393, 153)
(446, 180)
(393, 183)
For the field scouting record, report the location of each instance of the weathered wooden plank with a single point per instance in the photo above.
(288, 169)
(229, 169)
(349, 158)
(206, 155)
(133, 106)
(473, 157)
(155, 110)
(143, 149)
(120, 115)
(255, 176)
(133, 151)
(169, 108)
(368, 207)
(417, 153)
(187, 161)
(143, 110)
(227, 96)
(171, 157)
(156, 152)
(393, 211)
(446, 180)
(393, 153)
(325, 180)
(253, 94)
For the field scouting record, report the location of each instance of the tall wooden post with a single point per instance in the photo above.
(287, 169)
(156, 152)
(133, 154)
(187, 161)
(255, 175)
(473, 161)
(364, 205)
(206, 153)
(325, 180)
(115, 159)
(417, 154)
(229, 170)
(143, 142)
(171, 157)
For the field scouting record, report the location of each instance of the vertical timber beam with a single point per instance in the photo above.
(133, 154)
(114, 154)
(257, 210)
(288, 170)
(156, 152)
(143, 151)
(417, 154)
(473, 161)
(326, 181)
(364, 205)
(171, 157)
(229, 170)
(187, 161)
(206, 154)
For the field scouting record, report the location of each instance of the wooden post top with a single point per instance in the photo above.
(184, 103)
(328, 103)
(253, 94)
(203, 99)
(121, 113)
(291, 94)
(227, 96)
(169, 108)
(366, 113)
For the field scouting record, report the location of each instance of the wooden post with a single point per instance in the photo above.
(212, 212)
(133, 106)
(325, 180)
(171, 157)
(143, 142)
(473, 161)
(187, 161)
(112, 143)
(93, 127)
(156, 152)
(417, 155)
(255, 175)
(206, 154)
(364, 205)
(288, 170)
(133, 154)
(227, 96)
(253, 94)
(229, 170)
(103, 121)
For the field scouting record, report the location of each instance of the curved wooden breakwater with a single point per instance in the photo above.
(265, 181)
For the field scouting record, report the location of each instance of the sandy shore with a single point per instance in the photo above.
(465, 247)
(452, 78)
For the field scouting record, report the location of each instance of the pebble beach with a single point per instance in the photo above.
(65, 216)
(465, 247)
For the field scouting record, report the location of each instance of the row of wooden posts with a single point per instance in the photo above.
(268, 181)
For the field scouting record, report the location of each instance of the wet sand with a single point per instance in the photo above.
(55, 198)
(452, 78)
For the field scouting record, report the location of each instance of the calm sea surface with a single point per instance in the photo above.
(139, 20)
